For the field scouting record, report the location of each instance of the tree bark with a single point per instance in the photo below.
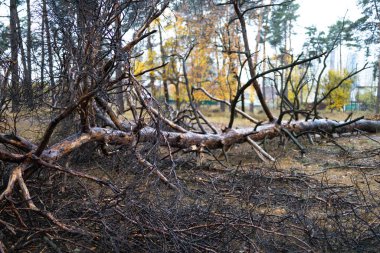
(118, 40)
(256, 57)
(49, 52)
(251, 65)
(152, 78)
(177, 98)
(28, 71)
(184, 140)
(42, 70)
(15, 89)
(25, 87)
(378, 88)
(164, 77)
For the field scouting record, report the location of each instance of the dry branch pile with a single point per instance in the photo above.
(240, 208)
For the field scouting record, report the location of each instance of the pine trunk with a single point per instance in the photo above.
(15, 85)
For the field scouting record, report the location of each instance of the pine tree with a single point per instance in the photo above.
(370, 25)
(281, 30)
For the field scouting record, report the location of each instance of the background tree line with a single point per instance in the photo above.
(37, 51)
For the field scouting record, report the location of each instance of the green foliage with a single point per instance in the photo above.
(343, 32)
(193, 7)
(369, 22)
(340, 94)
(282, 22)
(315, 41)
(340, 33)
(367, 98)
(4, 38)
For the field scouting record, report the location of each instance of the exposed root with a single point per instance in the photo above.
(25, 193)
(14, 176)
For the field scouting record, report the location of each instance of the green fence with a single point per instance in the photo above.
(203, 102)
(354, 106)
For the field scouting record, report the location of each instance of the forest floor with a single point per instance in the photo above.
(327, 200)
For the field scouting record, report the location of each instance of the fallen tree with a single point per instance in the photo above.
(185, 140)
(188, 141)
(87, 99)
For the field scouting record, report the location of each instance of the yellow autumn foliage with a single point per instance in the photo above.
(341, 95)
(297, 84)
(202, 71)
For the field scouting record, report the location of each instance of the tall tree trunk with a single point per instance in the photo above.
(256, 57)
(152, 78)
(238, 78)
(251, 66)
(15, 89)
(28, 72)
(42, 70)
(118, 38)
(163, 58)
(86, 17)
(25, 88)
(177, 100)
(222, 105)
(243, 102)
(49, 51)
(284, 60)
(340, 57)
(264, 66)
(378, 88)
(377, 107)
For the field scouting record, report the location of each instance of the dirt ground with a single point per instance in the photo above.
(344, 160)
(327, 200)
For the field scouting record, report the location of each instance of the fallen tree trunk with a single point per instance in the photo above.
(188, 139)
(235, 136)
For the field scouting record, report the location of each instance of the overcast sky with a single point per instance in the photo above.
(325, 12)
(322, 14)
